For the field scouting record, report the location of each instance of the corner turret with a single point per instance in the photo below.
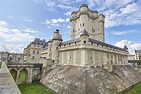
(57, 39)
(84, 37)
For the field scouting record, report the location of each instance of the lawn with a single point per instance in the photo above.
(135, 90)
(0, 64)
(34, 88)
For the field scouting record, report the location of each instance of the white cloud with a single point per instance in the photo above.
(55, 22)
(126, 12)
(28, 20)
(68, 13)
(124, 32)
(68, 26)
(130, 45)
(11, 17)
(3, 48)
(29, 30)
(12, 48)
(14, 35)
(3, 23)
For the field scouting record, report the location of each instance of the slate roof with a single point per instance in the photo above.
(94, 41)
(105, 44)
(71, 41)
(84, 32)
(137, 51)
(38, 41)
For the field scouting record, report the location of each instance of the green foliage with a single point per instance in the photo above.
(134, 61)
(34, 88)
(135, 90)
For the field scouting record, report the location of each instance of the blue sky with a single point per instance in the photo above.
(23, 20)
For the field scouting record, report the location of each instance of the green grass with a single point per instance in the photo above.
(23, 75)
(0, 64)
(13, 73)
(135, 90)
(34, 88)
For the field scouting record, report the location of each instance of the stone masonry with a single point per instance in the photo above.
(7, 83)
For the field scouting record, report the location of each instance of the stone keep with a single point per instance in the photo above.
(87, 19)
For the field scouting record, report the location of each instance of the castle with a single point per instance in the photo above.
(87, 45)
(85, 64)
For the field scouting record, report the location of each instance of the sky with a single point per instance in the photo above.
(23, 20)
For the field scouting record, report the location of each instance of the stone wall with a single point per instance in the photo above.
(90, 80)
(7, 83)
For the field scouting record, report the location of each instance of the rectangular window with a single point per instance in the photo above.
(33, 51)
(32, 57)
(37, 52)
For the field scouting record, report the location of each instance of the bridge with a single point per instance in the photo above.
(32, 71)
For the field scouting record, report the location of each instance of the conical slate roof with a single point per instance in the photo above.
(125, 47)
(84, 32)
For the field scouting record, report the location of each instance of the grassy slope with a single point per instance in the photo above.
(34, 88)
(0, 64)
(135, 90)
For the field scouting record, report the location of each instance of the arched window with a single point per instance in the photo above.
(83, 24)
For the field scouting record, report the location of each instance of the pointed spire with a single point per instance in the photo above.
(125, 47)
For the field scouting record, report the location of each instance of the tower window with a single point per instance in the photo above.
(32, 57)
(83, 24)
(93, 30)
(80, 25)
(73, 30)
(84, 41)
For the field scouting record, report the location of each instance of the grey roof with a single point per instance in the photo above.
(84, 32)
(38, 41)
(94, 41)
(71, 41)
(105, 44)
(84, 5)
(137, 51)
(125, 47)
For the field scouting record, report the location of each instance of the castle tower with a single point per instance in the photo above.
(49, 54)
(57, 39)
(87, 19)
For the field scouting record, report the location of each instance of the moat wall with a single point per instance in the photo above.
(7, 83)
(90, 80)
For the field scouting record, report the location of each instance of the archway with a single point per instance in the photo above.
(23, 76)
(13, 73)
